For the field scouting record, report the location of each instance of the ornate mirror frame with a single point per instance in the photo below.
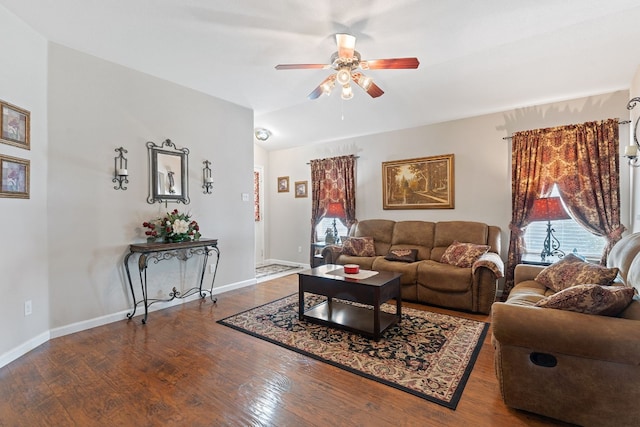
(168, 173)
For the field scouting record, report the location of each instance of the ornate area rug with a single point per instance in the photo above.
(268, 270)
(429, 355)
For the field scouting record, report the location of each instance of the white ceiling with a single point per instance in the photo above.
(475, 57)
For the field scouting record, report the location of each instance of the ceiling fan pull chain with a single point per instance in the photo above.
(342, 105)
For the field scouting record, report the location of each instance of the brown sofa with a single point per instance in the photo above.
(575, 367)
(427, 280)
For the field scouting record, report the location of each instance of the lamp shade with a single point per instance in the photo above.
(548, 209)
(335, 210)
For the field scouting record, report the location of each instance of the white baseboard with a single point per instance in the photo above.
(29, 345)
(24, 348)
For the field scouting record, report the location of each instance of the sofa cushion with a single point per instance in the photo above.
(590, 299)
(571, 271)
(409, 270)
(463, 254)
(381, 230)
(444, 277)
(414, 235)
(402, 255)
(358, 246)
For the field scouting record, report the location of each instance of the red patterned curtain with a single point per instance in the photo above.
(583, 161)
(332, 180)
(591, 187)
(526, 161)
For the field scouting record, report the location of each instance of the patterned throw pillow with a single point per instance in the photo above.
(571, 271)
(463, 254)
(403, 255)
(358, 246)
(591, 299)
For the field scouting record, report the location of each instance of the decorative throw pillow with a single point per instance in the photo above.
(591, 299)
(463, 254)
(358, 246)
(571, 271)
(403, 255)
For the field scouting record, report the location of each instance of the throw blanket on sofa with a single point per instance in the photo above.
(492, 261)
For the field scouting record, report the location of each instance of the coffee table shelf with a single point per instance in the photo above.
(349, 317)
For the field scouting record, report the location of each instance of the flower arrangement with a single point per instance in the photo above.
(173, 227)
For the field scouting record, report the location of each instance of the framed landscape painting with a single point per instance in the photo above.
(14, 125)
(422, 183)
(14, 177)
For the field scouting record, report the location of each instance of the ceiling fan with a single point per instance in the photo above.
(346, 62)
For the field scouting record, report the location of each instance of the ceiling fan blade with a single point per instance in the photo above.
(389, 64)
(374, 90)
(367, 84)
(302, 66)
(324, 87)
(346, 45)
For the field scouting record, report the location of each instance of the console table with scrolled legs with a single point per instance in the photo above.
(157, 252)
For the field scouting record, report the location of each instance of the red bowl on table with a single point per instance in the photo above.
(351, 268)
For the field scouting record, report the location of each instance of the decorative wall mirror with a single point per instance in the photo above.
(168, 173)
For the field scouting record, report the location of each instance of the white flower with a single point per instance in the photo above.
(180, 226)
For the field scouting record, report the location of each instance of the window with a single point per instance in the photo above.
(571, 235)
(328, 223)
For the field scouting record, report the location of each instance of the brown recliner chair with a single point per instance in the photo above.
(574, 367)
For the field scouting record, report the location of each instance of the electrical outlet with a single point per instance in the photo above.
(299, 249)
(212, 268)
(245, 197)
(28, 308)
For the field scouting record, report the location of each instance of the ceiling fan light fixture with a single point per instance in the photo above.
(327, 87)
(344, 76)
(347, 93)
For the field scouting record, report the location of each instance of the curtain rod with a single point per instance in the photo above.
(355, 157)
(624, 122)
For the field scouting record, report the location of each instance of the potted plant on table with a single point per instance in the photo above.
(173, 227)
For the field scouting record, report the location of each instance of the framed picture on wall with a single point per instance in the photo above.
(301, 188)
(14, 125)
(14, 177)
(283, 184)
(422, 183)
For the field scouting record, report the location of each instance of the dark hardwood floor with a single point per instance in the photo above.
(182, 368)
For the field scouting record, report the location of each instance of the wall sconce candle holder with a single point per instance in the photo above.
(631, 151)
(207, 179)
(120, 172)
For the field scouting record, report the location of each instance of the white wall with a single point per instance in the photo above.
(23, 240)
(96, 106)
(482, 168)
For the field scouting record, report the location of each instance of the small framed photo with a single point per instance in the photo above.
(283, 184)
(301, 188)
(14, 177)
(14, 125)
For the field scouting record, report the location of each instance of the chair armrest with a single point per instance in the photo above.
(554, 331)
(525, 272)
(330, 253)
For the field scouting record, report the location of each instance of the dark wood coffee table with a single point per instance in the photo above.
(371, 291)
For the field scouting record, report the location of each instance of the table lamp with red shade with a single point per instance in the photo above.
(335, 210)
(549, 209)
